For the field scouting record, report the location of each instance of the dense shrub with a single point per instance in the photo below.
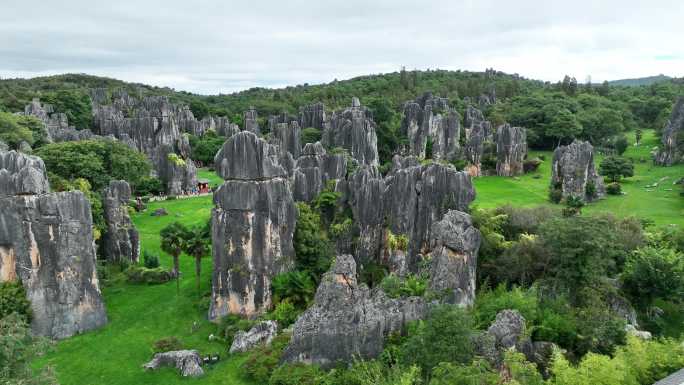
(396, 287)
(652, 273)
(13, 300)
(615, 168)
(285, 313)
(18, 347)
(262, 361)
(167, 344)
(296, 287)
(478, 372)
(150, 276)
(297, 374)
(150, 260)
(205, 147)
(15, 129)
(231, 324)
(310, 135)
(614, 188)
(148, 185)
(313, 251)
(374, 373)
(489, 302)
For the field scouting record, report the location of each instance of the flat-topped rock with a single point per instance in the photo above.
(245, 156)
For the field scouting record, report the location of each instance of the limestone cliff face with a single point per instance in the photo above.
(121, 242)
(353, 129)
(511, 148)
(347, 320)
(313, 115)
(287, 135)
(672, 148)
(573, 170)
(46, 241)
(314, 168)
(252, 226)
(431, 118)
(250, 119)
(57, 126)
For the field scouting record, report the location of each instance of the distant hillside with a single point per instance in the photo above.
(636, 82)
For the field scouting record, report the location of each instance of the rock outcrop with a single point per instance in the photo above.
(347, 320)
(121, 242)
(288, 137)
(261, 334)
(313, 115)
(354, 130)
(430, 118)
(672, 148)
(154, 126)
(573, 172)
(366, 194)
(249, 118)
(478, 132)
(455, 243)
(314, 168)
(188, 362)
(252, 226)
(511, 148)
(46, 242)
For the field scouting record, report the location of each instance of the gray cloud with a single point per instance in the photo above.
(223, 46)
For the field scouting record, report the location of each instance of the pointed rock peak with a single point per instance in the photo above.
(313, 149)
(356, 102)
(248, 157)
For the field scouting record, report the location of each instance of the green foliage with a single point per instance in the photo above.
(478, 372)
(75, 104)
(296, 287)
(13, 300)
(262, 361)
(397, 241)
(148, 185)
(396, 287)
(175, 159)
(374, 373)
(521, 371)
(167, 344)
(150, 260)
(573, 205)
(15, 129)
(313, 251)
(150, 276)
(297, 374)
(372, 273)
(614, 188)
(615, 168)
(97, 161)
(310, 135)
(285, 313)
(231, 324)
(620, 144)
(445, 336)
(340, 229)
(199, 109)
(204, 148)
(197, 244)
(17, 349)
(489, 302)
(652, 273)
(172, 240)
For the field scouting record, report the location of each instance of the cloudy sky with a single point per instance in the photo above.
(217, 46)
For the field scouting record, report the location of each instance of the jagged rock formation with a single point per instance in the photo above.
(249, 118)
(672, 149)
(423, 121)
(455, 243)
(252, 226)
(261, 334)
(154, 126)
(121, 242)
(3, 146)
(573, 172)
(347, 320)
(287, 137)
(366, 189)
(511, 148)
(478, 131)
(353, 129)
(224, 127)
(57, 126)
(313, 115)
(46, 242)
(314, 168)
(188, 362)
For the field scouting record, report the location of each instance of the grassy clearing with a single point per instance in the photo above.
(661, 204)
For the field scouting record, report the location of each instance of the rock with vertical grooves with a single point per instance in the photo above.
(354, 130)
(347, 320)
(313, 115)
(431, 118)
(454, 246)
(46, 242)
(314, 168)
(253, 222)
(672, 149)
(249, 118)
(259, 335)
(188, 362)
(288, 137)
(121, 242)
(573, 170)
(366, 189)
(511, 148)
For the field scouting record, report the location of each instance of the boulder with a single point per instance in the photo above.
(160, 212)
(505, 333)
(573, 172)
(672, 148)
(454, 243)
(261, 334)
(121, 242)
(46, 242)
(347, 321)
(354, 130)
(431, 118)
(511, 149)
(253, 222)
(188, 362)
(249, 118)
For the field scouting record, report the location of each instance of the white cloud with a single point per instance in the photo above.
(223, 46)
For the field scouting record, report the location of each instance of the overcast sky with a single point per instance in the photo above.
(223, 46)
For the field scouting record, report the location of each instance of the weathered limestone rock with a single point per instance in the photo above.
(155, 127)
(3, 146)
(573, 170)
(250, 120)
(314, 168)
(46, 242)
(475, 118)
(366, 189)
(252, 226)
(354, 130)
(121, 242)
(507, 329)
(188, 362)
(261, 334)
(423, 121)
(672, 149)
(511, 148)
(347, 320)
(287, 136)
(478, 133)
(455, 243)
(313, 115)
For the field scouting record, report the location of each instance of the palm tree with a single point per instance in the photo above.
(196, 244)
(172, 239)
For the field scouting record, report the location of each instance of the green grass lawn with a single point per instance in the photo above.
(661, 204)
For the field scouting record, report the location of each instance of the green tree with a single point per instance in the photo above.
(615, 167)
(310, 135)
(564, 125)
(15, 129)
(197, 244)
(652, 273)
(204, 148)
(172, 240)
(199, 109)
(476, 373)
(76, 104)
(313, 251)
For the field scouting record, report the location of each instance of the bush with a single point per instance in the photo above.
(149, 185)
(310, 135)
(396, 287)
(167, 344)
(531, 165)
(262, 361)
(141, 274)
(231, 324)
(296, 287)
(313, 251)
(555, 195)
(18, 348)
(150, 260)
(652, 273)
(478, 372)
(397, 242)
(13, 300)
(372, 273)
(297, 374)
(285, 313)
(614, 188)
(489, 302)
(620, 144)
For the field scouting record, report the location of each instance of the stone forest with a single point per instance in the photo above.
(417, 227)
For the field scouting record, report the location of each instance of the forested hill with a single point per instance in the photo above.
(645, 81)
